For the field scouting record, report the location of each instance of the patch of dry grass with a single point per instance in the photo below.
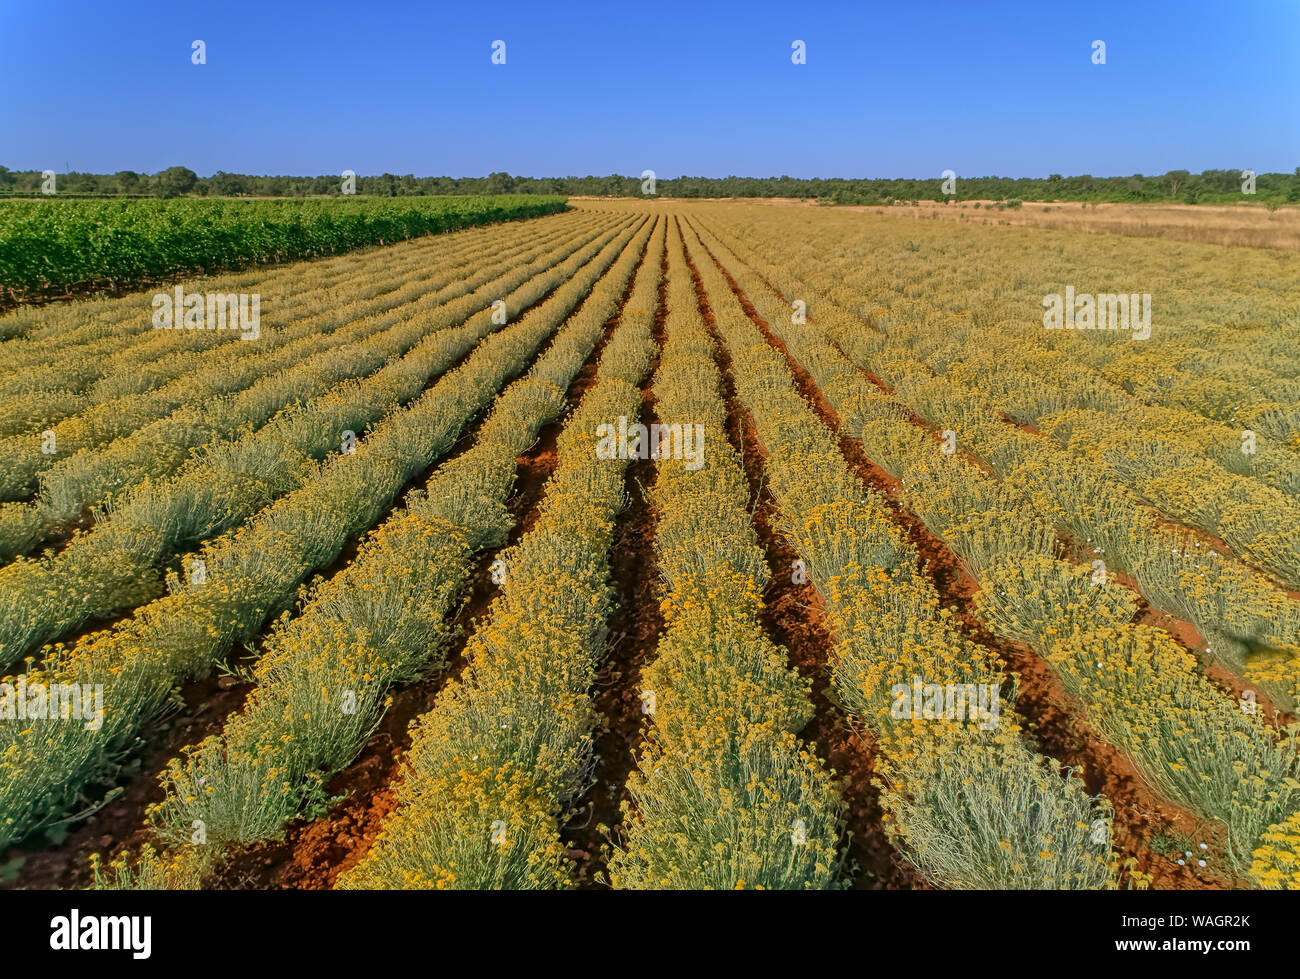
(1249, 225)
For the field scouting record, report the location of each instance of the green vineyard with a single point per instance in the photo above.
(57, 244)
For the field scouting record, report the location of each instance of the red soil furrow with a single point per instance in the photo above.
(634, 631)
(1140, 815)
(792, 616)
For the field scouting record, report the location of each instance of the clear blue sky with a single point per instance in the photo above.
(903, 89)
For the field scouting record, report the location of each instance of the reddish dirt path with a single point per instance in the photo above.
(792, 616)
(1053, 717)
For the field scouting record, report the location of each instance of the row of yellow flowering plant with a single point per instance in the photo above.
(1220, 359)
(113, 566)
(105, 450)
(725, 794)
(84, 385)
(1176, 571)
(322, 680)
(71, 354)
(1136, 686)
(507, 746)
(87, 356)
(254, 571)
(73, 351)
(966, 797)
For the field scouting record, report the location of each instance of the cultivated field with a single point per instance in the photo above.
(53, 248)
(662, 545)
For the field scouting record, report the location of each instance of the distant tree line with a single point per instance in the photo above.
(1210, 186)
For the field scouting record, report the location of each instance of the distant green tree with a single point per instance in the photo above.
(174, 181)
(1222, 181)
(500, 183)
(225, 184)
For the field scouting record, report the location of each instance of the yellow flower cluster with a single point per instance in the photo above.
(151, 870)
(1275, 864)
(1143, 692)
(476, 828)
